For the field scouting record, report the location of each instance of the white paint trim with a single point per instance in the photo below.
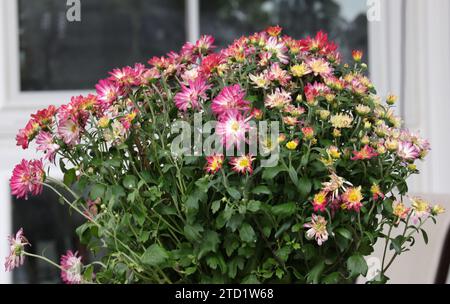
(192, 19)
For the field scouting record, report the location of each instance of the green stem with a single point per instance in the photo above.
(42, 258)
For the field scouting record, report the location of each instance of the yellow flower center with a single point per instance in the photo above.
(235, 126)
(244, 162)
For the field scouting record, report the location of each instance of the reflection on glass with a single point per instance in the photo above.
(59, 55)
(344, 20)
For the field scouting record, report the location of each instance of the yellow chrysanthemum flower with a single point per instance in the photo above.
(341, 121)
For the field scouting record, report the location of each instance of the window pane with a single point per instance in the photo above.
(344, 20)
(59, 55)
(50, 228)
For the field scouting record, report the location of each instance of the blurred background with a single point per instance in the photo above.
(46, 57)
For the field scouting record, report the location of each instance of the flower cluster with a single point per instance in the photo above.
(174, 218)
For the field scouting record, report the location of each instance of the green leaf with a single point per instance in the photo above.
(130, 182)
(304, 186)
(254, 206)
(246, 233)
(270, 173)
(88, 273)
(425, 236)
(235, 222)
(193, 232)
(332, 278)
(233, 265)
(357, 265)
(215, 206)
(283, 253)
(293, 175)
(97, 191)
(217, 261)
(345, 233)
(209, 243)
(387, 204)
(396, 244)
(70, 177)
(262, 190)
(231, 243)
(193, 199)
(154, 255)
(203, 184)
(314, 275)
(234, 193)
(284, 210)
(190, 270)
(251, 279)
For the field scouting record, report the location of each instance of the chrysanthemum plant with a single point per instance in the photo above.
(338, 184)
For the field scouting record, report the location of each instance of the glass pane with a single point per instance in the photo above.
(59, 55)
(344, 20)
(50, 229)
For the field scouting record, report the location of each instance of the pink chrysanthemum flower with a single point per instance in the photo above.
(352, 199)
(69, 131)
(16, 255)
(320, 67)
(47, 145)
(278, 99)
(278, 74)
(210, 63)
(312, 91)
(27, 177)
(231, 98)
(366, 153)
(191, 95)
(108, 91)
(420, 209)
(128, 76)
(27, 134)
(242, 164)
(44, 117)
(78, 109)
(317, 229)
(407, 151)
(205, 43)
(320, 201)
(232, 128)
(320, 44)
(72, 267)
(278, 48)
(214, 163)
(274, 30)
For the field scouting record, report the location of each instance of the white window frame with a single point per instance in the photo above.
(13, 97)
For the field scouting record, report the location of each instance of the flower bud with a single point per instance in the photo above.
(367, 125)
(324, 114)
(381, 149)
(292, 145)
(365, 140)
(357, 55)
(391, 144)
(412, 167)
(391, 99)
(308, 133)
(337, 133)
